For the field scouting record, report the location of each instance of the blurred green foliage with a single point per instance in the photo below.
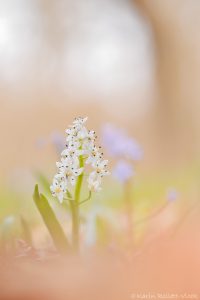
(19, 215)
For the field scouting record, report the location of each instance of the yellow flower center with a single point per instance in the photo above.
(58, 190)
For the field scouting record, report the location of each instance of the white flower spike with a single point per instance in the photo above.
(80, 154)
(58, 188)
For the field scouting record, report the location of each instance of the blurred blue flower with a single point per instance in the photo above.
(123, 171)
(172, 194)
(118, 144)
(58, 140)
(55, 138)
(132, 149)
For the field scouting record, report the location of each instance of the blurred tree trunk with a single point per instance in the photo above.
(175, 23)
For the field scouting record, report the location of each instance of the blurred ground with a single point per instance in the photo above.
(166, 266)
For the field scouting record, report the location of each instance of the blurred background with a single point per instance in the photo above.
(132, 63)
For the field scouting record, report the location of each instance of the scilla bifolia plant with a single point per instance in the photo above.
(80, 158)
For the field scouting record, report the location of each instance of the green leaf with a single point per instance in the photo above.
(27, 235)
(69, 195)
(8, 232)
(43, 180)
(102, 231)
(51, 221)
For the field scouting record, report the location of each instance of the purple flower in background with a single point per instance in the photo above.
(118, 144)
(58, 140)
(123, 171)
(55, 138)
(132, 149)
(112, 139)
(172, 194)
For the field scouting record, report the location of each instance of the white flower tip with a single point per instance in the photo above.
(105, 162)
(80, 120)
(63, 153)
(85, 119)
(58, 164)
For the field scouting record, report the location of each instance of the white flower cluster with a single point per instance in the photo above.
(80, 152)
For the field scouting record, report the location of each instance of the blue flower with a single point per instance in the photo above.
(119, 145)
(172, 194)
(123, 171)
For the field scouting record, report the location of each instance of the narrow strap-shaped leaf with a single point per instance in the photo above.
(102, 231)
(7, 234)
(43, 180)
(51, 221)
(27, 235)
(69, 195)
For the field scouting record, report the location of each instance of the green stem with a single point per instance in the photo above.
(75, 209)
(79, 181)
(88, 198)
(129, 211)
(75, 225)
